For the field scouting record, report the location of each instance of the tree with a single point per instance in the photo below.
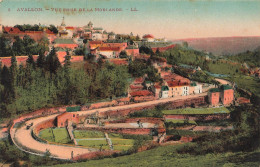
(52, 62)
(5, 49)
(13, 72)
(53, 29)
(30, 61)
(40, 60)
(123, 54)
(18, 46)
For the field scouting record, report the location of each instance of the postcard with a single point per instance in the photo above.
(129, 83)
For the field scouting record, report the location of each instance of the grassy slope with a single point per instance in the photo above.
(165, 156)
(197, 111)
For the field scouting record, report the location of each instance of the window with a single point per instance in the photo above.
(73, 115)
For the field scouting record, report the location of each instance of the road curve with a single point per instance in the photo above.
(24, 140)
(143, 104)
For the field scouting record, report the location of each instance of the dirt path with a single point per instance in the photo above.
(143, 104)
(25, 140)
(223, 82)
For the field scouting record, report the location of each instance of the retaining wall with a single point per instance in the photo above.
(133, 131)
(203, 117)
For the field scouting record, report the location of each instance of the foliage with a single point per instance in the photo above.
(219, 110)
(147, 113)
(79, 134)
(140, 67)
(123, 54)
(167, 156)
(250, 57)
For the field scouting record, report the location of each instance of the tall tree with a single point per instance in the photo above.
(13, 71)
(52, 62)
(40, 62)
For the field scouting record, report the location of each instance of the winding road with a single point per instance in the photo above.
(23, 139)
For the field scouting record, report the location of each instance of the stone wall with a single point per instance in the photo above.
(133, 131)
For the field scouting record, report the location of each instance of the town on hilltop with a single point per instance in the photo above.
(76, 93)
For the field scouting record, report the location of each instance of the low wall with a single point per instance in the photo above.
(144, 119)
(132, 131)
(198, 101)
(44, 125)
(202, 117)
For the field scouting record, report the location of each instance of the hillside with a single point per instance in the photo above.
(224, 45)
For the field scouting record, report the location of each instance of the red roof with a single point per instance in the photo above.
(49, 32)
(12, 30)
(118, 61)
(136, 86)
(177, 83)
(141, 93)
(95, 42)
(148, 36)
(139, 80)
(116, 49)
(70, 28)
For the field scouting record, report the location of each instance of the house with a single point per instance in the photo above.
(178, 88)
(148, 38)
(97, 36)
(132, 50)
(213, 96)
(65, 118)
(195, 88)
(111, 36)
(227, 94)
(164, 92)
(109, 52)
(142, 95)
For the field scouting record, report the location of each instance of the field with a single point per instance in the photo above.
(220, 110)
(119, 143)
(79, 134)
(167, 156)
(94, 143)
(181, 121)
(58, 135)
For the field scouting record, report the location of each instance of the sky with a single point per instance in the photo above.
(172, 19)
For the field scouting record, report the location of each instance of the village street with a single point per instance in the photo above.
(25, 139)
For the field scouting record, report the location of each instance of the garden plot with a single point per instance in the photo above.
(220, 110)
(57, 135)
(89, 138)
(120, 143)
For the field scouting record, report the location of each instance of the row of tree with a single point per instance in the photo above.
(23, 46)
(47, 83)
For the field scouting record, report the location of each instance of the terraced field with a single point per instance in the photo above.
(57, 135)
(220, 110)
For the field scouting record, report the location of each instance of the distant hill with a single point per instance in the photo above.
(224, 45)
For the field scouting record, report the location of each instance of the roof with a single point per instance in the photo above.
(63, 41)
(70, 28)
(95, 42)
(139, 80)
(225, 87)
(165, 88)
(118, 61)
(177, 83)
(213, 90)
(148, 36)
(141, 93)
(117, 49)
(136, 86)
